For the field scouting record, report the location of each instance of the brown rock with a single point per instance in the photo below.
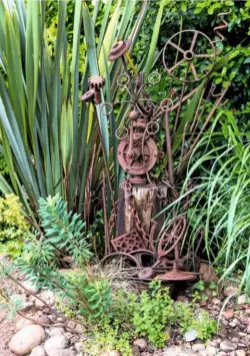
(230, 290)
(228, 314)
(207, 273)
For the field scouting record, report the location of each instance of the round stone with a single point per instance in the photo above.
(228, 345)
(55, 343)
(141, 343)
(38, 351)
(27, 339)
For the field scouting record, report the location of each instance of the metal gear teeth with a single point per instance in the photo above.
(96, 82)
(119, 49)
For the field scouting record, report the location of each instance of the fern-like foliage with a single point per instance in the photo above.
(63, 230)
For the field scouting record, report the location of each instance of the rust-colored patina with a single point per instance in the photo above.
(143, 246)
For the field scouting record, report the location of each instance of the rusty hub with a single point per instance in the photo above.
(119, 49)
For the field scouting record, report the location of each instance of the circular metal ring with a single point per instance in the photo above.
(104, 107)
(151, 79)
(189, 56)
(152, 128)
(120, 80)
(166, 104)
(121, 137)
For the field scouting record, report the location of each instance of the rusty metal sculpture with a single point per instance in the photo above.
(138, 152)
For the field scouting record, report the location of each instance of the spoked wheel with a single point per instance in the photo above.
(125, 263)
(189, 62)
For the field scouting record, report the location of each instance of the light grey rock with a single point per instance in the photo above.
(190, 335)
(243, 299)
(55, 343)
(65, 352)
(211, 351)
(114, 353)
(182, 299)
(26, 339)
(198, 347)
(215, 342)
(39, 304)
(177, 351)
(38, 351)
(141, 343)
(79, 347)
(240, 353)
(228, 345)
(30, 287)
(56, 331)
(22, 323)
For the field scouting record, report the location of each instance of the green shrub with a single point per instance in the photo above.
(14, 229)
(63, 235)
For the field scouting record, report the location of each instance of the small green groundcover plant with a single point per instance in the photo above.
(150, 314)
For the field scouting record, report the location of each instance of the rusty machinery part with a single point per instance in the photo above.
(172, 236)
(166, 104)
(152, 128)
(123, 136)
(146, 273)
(123, 80)
(138, 180)
(215, 95)
(176, 275)
(144, 257)
(131, 160)
(107, 108)
(154, 78)
(222, 26)
(189, 55)
(137, 160)
(128, 242)
(96, 82)
(119, 50)
(88, 96)
(123, 261)
(94, 94)
(133, 115)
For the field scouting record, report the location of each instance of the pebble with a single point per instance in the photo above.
(56, 331)
(177, 351)
(243, 299)
(38, 351)
(136, 351)
(30, 287)
(22, 323)
(182, 299)
(215, 342)
(55, 343)
(26, 339)
(62, 353)
(230, 291)
(39, 304)
(240, 353)
(228, 314)
(190, 335)
(233, 324)
(228, 345)
(198, 347)
(141, 343)
(114, 353)
(211, 351)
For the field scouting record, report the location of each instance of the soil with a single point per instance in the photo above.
(7, 327)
